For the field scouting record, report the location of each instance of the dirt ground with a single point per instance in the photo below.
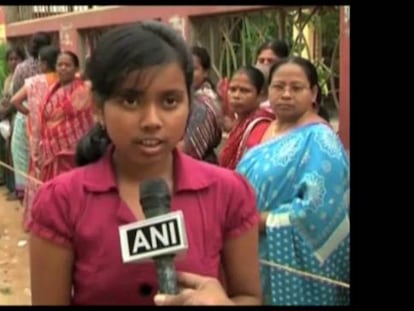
(14, 257)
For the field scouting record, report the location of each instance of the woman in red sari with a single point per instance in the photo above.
(65, 117)
(251, 123)
(27, 101)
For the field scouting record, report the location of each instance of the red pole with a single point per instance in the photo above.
(344, 69)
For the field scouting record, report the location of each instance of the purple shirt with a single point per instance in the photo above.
(82, 210)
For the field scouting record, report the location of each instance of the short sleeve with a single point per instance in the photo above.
(18, 78)
(49, 215)
(242, 213)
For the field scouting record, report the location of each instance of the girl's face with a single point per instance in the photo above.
(242, 94)
(147, 116)
(290, 93)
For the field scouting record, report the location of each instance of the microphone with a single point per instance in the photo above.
(159, 237)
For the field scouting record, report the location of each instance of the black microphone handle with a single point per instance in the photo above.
(167, 277)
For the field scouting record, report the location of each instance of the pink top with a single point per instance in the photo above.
(81, 209)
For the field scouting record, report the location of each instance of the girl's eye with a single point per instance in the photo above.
(130, 102)
(170, 102)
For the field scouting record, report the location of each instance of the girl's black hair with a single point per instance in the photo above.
(49, 55)
(119, 52)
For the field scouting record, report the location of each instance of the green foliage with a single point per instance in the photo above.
(3, 65)
(249, 32)
(233, 40)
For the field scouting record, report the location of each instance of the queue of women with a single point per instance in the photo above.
(278, 144)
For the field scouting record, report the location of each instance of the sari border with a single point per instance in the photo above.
(278, 220)
(341, 232)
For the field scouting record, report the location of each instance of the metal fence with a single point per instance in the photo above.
(233, 40)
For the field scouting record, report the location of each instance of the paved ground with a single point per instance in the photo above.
(14, 259)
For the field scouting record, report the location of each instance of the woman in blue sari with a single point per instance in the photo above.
(300, 172)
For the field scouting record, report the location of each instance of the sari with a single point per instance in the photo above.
(65, 117)
(302, 180)
(5, 144)
(244, 136)
(203, 133)
(36, 88)
(19, 141)
(20, 151)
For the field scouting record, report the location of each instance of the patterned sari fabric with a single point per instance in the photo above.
(203, 133)
(37, 87)
(5, 147)
(302, 180)
(19, 144)
(65, 116)
(20, 152)
(236, 144)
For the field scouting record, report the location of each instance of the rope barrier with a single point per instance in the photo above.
(20, 173)
(304, 274)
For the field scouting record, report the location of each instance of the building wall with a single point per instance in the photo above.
(70, 27)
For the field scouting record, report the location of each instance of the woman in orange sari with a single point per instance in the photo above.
(65, 117)
(34, 92)
(251, 122)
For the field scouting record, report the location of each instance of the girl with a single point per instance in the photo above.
(141, 78)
